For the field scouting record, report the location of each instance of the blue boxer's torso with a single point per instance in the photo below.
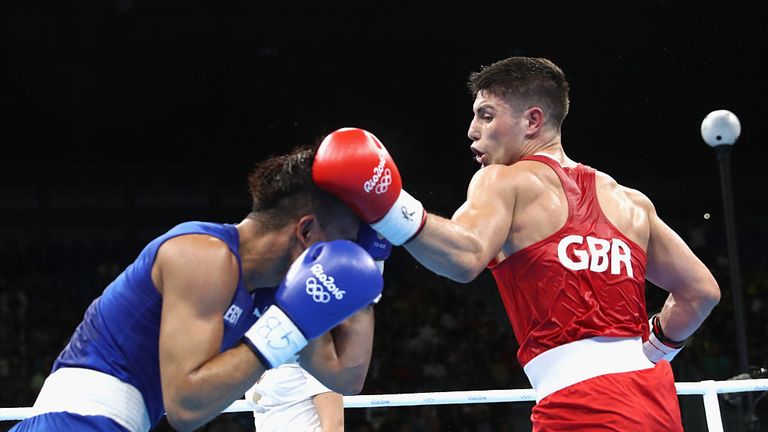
(120, 331)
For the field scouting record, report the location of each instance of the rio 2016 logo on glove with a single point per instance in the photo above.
(316, 290)
(379, 173)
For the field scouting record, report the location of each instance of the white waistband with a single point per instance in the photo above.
(90, 392)
(577, 361)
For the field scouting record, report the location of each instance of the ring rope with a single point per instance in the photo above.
(709, 389)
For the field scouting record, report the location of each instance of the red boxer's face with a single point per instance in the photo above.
(497, 131)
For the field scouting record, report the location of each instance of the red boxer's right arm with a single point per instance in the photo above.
(352, 164)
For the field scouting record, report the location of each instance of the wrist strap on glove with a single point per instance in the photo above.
(655, 325)
(274, 338)
(658, 346)
(403, 221)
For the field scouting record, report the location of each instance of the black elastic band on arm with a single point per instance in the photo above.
(247, 342)
(660, 334)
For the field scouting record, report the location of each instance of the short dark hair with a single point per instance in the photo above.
(526, 80)
(282, 188)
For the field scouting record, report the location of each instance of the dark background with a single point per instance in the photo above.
(121, 118)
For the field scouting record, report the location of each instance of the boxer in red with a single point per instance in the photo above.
(569, 247)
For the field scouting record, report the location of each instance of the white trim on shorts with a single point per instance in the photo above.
(581, 360)
(92, 393)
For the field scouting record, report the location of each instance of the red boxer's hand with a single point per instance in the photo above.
(352, 164)
(659, 347)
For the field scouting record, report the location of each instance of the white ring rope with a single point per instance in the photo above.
(708, 389)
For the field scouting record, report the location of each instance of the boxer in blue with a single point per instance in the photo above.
(194, 321)
(288, 398)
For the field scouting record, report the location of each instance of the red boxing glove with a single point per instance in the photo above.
(352, 164)
(659, 347)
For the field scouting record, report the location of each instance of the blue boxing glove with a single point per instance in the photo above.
(375, 244)
(326, 284)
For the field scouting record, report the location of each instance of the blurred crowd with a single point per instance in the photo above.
(431, 334)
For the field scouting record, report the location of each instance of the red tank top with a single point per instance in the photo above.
(585, 280)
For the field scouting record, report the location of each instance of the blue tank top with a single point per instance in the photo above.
(120, 331)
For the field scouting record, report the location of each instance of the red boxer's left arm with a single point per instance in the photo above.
(658, 346)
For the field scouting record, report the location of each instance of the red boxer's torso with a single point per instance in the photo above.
(578, 297)
(585, 280)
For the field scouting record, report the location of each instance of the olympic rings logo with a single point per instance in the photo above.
(384, 183)
(317, 292)
(317, 285)
(381, 178)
